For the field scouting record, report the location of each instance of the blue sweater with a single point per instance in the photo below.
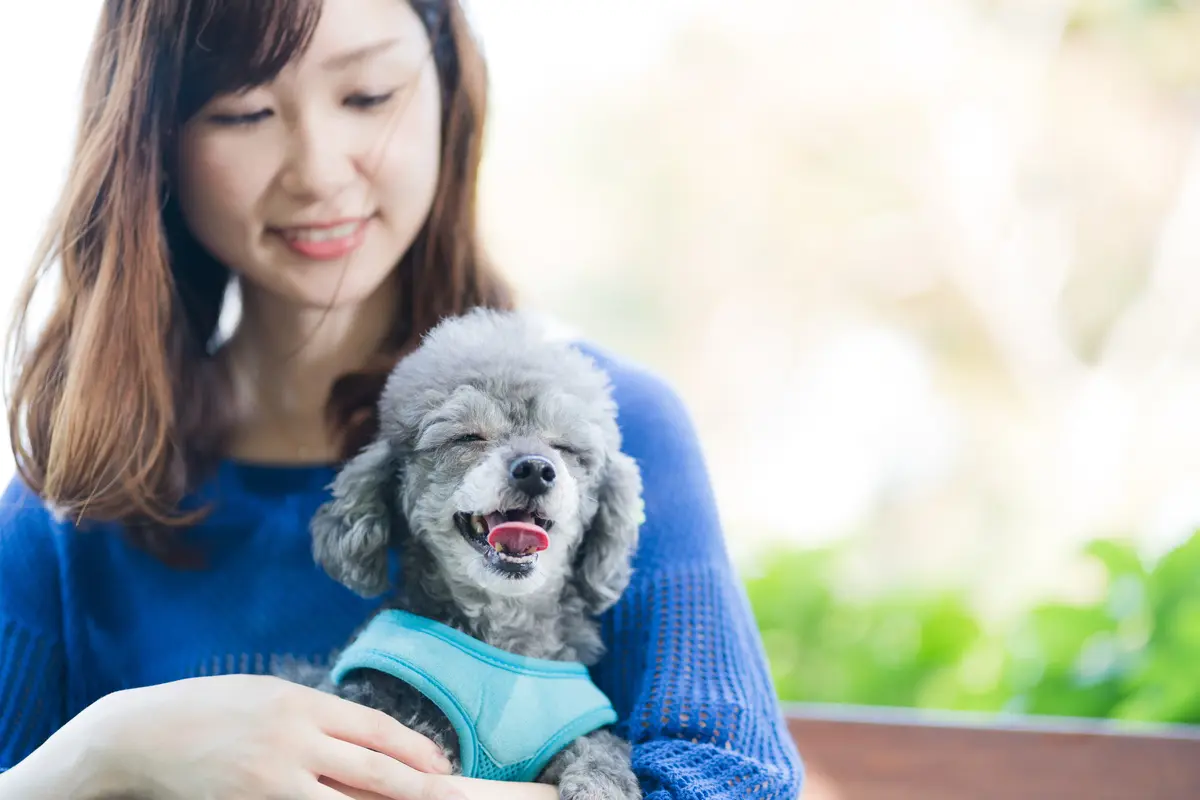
(82, 614)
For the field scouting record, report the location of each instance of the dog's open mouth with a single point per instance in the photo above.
(509, 540)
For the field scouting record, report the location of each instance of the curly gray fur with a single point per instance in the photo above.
(482, 390)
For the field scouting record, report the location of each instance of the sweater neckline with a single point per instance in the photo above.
(275, 477)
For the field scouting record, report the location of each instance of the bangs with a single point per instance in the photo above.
(233, 45)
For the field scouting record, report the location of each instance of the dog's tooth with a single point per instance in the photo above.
(500, 547)
(477, 521)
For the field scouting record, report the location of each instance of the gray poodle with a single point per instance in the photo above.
(498, 481)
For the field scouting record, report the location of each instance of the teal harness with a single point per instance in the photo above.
(512, 713)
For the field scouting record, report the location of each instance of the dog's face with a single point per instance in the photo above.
(499, 452)
(501, 479)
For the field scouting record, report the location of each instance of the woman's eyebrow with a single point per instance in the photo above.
(343, 60)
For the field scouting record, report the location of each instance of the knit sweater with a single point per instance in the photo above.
(83, 614)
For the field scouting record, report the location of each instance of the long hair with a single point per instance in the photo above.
(117, 408)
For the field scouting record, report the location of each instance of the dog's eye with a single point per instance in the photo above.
(567, 449)
(469, 438)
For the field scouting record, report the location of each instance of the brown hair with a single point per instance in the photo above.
(116, 408)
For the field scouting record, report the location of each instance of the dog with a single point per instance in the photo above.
(498, 482)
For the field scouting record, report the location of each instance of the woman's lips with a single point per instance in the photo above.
(325, 242)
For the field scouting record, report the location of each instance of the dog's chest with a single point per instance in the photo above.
(412, 708)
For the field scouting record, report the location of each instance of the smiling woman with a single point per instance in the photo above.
(309, 187)
(336, 157)
(322, 158)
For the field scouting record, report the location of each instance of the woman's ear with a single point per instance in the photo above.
(603, 563)
(352, 532)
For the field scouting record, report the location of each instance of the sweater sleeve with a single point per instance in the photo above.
(685, 666)
(32, 671)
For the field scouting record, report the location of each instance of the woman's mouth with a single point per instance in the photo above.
(326, 242)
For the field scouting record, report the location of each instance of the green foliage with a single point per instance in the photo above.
(1130, 653)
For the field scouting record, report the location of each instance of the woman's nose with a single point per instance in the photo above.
(319, 166)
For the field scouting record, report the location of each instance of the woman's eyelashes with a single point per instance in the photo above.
(233, 120)
(360, 101)
(368, 101)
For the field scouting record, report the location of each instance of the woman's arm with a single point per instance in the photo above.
(47, 775)
(40, 778)
(32, 662)
(243, 735)
(685, 667)
(31, 691)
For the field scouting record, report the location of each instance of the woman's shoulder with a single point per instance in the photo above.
(657, 428)
(25, 516)
(657, 431)
(648, 405)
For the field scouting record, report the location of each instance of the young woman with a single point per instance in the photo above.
(154, 551)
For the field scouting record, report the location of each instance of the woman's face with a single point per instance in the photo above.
(312, 187)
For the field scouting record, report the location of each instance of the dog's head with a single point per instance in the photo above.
(499, 452)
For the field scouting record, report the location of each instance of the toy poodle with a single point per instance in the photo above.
(496, 509)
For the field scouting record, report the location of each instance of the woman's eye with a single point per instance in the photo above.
(359, 101)
(231, 120)
(365, 101)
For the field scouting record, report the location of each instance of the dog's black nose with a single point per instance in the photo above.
(533, 475)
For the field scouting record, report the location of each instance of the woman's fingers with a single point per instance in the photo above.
(364, 769)
(322, 791)
(373, 729)
(344, 792)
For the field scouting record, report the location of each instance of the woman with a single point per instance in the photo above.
(154, 553)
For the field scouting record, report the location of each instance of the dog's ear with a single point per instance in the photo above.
(352, 532)
(602, 565)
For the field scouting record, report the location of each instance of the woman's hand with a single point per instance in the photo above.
(237, 737)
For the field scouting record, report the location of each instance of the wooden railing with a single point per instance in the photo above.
(854, 753)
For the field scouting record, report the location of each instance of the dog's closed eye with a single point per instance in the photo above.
(582, 455)
(447, 433)
(469, 438)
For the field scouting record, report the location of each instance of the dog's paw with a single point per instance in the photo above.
(594, 767)
(608, 785)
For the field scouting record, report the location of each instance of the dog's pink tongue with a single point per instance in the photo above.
(519, 537)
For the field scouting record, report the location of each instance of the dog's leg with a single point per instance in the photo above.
(593, 767)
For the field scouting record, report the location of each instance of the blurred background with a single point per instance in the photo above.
(927, 275)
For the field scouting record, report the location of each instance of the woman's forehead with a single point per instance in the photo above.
(352, 32)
